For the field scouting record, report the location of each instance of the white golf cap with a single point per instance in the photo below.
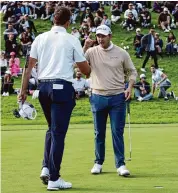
(142, 76)
(138, 29)
(165, 9)
(103, 29)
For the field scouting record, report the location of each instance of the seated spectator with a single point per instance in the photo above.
(86, 14)
(11, 45)
(3, 63)
(98, 18)
(10, 30)
(75, 32)
(25, 8)
(115, 13)
(14, 65)
(164, 20)
(175, 15)
(131, 9)
(25, 42)
(170, 46)
(48, 11)
(80, 85)
(17, 10)
(137, 43)
(7, 84)
(84, 34)
(145, 17)
(91, 24)
(129, 22)
(158, 44)
(33, 81)
(142, 89)
(26, 22)
(161, 82)
(106, 21)
(157, 7)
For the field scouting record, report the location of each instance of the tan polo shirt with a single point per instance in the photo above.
(108, 68)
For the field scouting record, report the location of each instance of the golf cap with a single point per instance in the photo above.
(165, 9)
(138, 30)
(103, 29)
(142, 76)
(88, 8)
(7, 72)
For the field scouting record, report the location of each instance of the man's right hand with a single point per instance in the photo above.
(88, 43)
(22, 96)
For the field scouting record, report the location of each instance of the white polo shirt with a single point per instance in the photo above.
(56, 52)
(156, 77)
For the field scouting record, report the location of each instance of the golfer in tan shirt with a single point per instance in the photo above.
(109, 64)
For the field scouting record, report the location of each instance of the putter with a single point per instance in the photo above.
(130, 144)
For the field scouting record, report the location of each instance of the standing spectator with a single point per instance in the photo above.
(115, 13)
(7, 84)
(171, 40)
(55, 51)
(142, 89)
(106, 21)
(109, 64)
(14, 64)
(3, 63)
(164, 20)
(137, 43)
(11, 45)
(148, 42)
(161, 82)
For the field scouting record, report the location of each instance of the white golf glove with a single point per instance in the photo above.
(35, 94)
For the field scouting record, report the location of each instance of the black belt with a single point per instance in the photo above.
(54, 80)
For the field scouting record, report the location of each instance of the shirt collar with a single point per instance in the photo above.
(58, 29)
(109, 48)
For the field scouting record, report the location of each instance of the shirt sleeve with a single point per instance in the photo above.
(78, 52)
(34, 46)
(129, 67)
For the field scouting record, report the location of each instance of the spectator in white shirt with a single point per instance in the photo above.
(3, 63)
(80, 85)
(131, 9)
(161, 81)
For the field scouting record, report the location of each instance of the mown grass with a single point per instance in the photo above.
(154, 160)
(155, 111)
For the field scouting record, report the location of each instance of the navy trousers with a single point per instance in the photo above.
(57, 99)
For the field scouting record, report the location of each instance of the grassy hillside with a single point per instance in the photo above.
(155, 111)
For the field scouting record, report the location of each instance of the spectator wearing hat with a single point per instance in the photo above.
(145, 17)
(14, 64)
(164, 20)
(142, 89)
(7, 84)
(11, 45)
(80, 85)
(158, 44)
(137, 43)
(3, 63)
(106, 21)
(115, 13)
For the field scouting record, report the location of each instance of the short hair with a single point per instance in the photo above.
(152, 66)
(61, 15)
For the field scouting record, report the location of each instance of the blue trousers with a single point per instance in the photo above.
(57, 105)
(115, 107)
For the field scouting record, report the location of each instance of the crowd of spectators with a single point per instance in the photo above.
(20, 31)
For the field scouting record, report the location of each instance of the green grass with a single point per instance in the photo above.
(155, 111)
(154, 160)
